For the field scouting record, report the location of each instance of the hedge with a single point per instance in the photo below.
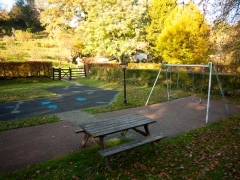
(10, 70)
(187, 79)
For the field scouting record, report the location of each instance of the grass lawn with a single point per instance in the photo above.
(211, 152)
(26, 122)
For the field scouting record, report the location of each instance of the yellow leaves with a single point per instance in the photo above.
(184, 37)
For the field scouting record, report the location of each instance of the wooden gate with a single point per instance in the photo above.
(70, 73)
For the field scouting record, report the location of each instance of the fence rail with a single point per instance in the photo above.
(70, 73)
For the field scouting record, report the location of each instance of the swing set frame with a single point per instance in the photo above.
(211, 68)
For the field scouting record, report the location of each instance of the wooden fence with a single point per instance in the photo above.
(70, 73)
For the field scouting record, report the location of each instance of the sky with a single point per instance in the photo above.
(7, 3)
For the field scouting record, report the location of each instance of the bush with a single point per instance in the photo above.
(8, 39)
(187, 79)
(23, 36)
(25, 69)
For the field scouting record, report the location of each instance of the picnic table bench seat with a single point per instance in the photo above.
(132, 144)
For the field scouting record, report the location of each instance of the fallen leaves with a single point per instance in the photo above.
(207, 153)
(141, 166)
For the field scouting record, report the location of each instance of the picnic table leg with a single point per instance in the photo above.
(146, 129)
(152, 143)
(103, 146)
(153, 148)
(85, 139)
(124, 132)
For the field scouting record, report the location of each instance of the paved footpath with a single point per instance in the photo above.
(22, 147)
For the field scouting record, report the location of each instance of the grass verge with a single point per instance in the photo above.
(27, 122)
(211, 152)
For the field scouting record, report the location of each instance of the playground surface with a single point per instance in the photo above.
(22, 147)
(68, 98)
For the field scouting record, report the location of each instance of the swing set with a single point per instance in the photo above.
(211, 68)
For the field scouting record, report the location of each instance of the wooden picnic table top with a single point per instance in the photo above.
(110, 126)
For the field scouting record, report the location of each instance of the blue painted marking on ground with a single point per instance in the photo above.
(52, 106)
(81, 99)
(46, 102)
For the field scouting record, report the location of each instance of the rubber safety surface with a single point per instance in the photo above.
(68, 98)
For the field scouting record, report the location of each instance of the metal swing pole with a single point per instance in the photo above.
(170, 82)
(178, 78)
(177, 86)
(209, 89)
(193, 87)
(153, 86)
(184, 65)
(200, 101)
(220, 87)
(211, 67)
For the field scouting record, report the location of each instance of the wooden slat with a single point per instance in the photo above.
(78, 130)
(118, 124)
(118, 128)
(114, 120)
(131, 145)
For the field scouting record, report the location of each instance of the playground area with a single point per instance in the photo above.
(32, 145)
(26, 146)
(68, 98)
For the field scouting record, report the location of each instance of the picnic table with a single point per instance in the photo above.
(97, 131)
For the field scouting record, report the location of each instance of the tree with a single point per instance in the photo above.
(107, 27)
(25, 11)
(185, 37)
(112, 27)
(218, 38)
(4, 16)
(158, 11)
(232, 44)
(56, 16)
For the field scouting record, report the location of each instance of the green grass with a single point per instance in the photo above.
(211, 152)
(136, 95)
(27, 88)
(35, 49)
(26, 122)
